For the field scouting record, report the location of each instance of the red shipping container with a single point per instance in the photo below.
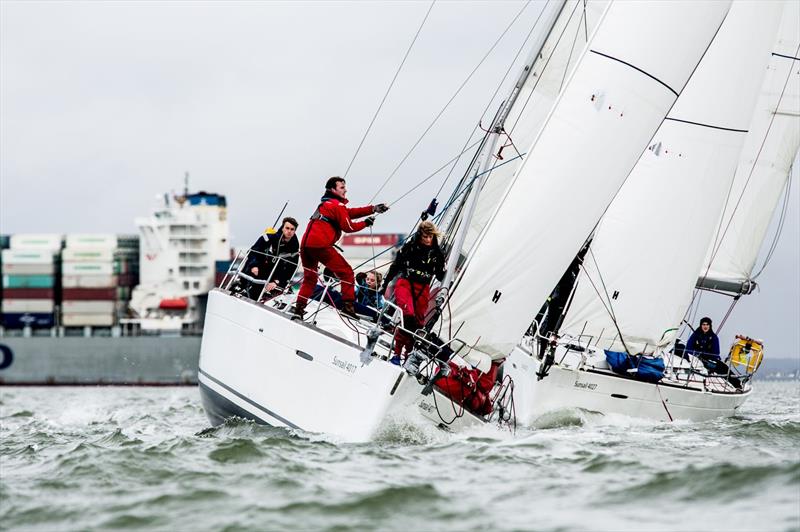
(27, 293)
(89, 294)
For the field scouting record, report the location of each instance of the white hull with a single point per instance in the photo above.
(600, 391)
(257, 364)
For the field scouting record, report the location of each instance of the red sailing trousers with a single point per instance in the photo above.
(331, 258)
(412, 298)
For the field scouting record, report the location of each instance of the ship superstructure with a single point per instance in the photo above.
(180, 242)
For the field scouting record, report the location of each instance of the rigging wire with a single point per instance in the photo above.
(388, 90)
(781, 224)
(572, 48)
(609, 308)
(494, 95)
(432, 175)
(441, 112)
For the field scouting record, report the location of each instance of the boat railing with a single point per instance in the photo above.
(388, 319)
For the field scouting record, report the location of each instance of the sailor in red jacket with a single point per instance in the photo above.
(331, 218)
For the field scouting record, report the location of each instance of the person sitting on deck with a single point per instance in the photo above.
(368, 294)
(704, 344)
(331, 218)
(418, 262)
(272, 258)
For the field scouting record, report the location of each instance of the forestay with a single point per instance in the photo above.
(762, 171)
(550, 68)
(627, 79)
(651, 243)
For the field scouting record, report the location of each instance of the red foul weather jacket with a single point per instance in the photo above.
(331, 218)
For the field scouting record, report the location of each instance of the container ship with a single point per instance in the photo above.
(89, 309)
(113, 309)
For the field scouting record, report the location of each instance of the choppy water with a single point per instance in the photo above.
(136, 458)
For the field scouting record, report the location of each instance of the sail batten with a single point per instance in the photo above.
(600, 125)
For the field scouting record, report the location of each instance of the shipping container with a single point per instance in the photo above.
(14, 320)
(91, 320)
(28, 305)
(28, 269)
(87, 307)
(95, 241)
(88, 281)
(28, 293)
(89, 294)
(87, 255)
(87, 268)
(44, 242)
(27, 256)
(28, 281)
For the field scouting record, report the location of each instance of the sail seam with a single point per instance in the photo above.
(673, 91)
(707, 125)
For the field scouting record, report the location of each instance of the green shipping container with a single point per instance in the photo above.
(27, 281)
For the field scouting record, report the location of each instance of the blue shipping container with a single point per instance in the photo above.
(35, 320)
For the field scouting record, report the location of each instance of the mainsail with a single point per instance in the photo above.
(625, 82)
(639, 273)
(770, 147)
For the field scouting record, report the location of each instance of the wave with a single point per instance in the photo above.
(718, 481)
(375, 503)
(236, 451)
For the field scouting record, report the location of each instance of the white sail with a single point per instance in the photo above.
(644, 259)
(629, 76)
(770, 148)
(560, 52)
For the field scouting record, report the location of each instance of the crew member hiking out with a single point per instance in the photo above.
(273, 258)
(417, 263)
(325, 227)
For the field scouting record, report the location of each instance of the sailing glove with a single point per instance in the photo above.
(381, 208)
(369, 221)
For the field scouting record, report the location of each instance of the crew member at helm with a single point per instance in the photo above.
(417, 263)
(331, 218)
(704, 344)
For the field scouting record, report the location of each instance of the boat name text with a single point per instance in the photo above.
(347, 366)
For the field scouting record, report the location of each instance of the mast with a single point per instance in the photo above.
(487, 148)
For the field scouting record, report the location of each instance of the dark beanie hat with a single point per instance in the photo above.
(705, 320)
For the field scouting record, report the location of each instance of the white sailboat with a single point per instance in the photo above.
(330, 374)
(641, 267)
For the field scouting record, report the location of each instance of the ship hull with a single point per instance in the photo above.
(598, 391)
(83, 361)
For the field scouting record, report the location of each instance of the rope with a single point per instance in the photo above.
(386, 95)
(441, 112)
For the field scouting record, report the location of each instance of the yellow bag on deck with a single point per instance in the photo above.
(746, 354)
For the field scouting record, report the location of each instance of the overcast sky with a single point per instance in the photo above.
(104, 105)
